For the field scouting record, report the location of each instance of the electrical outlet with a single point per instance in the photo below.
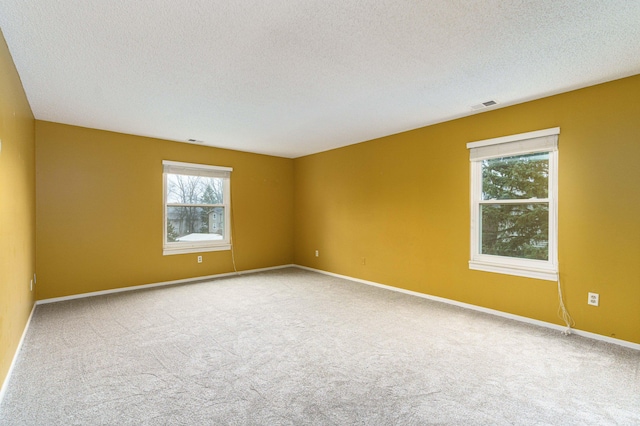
(594, 299)
(199, 259)
(364, 260)
(317, 253)
(31, 287)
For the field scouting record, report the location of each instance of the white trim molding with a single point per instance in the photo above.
(5, 384)
(497, 313)
(160, 284)
(530, 272)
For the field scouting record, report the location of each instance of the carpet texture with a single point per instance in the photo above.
(293, 347)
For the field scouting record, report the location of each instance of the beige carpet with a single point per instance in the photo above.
(292, 347)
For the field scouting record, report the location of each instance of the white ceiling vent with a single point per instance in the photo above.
(484, 105)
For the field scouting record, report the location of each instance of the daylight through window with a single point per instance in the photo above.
(513, 204)
(196, 207)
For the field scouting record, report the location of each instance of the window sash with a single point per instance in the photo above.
(517, 201)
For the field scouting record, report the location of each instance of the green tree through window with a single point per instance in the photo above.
(514, 210)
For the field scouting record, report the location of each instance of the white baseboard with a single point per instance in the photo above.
(5, 384)
(582, 333)
(160, 284)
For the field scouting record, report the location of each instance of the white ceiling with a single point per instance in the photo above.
(291, 78)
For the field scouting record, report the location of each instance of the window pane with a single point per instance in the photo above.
(186, 189)
(517, 177)
(189, 224)
(515, 230)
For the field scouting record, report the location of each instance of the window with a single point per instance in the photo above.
(196, 208)
(514, 204)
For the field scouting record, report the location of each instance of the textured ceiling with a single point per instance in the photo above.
(291, 78)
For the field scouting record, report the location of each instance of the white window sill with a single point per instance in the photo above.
(528, 272)
(194, 249)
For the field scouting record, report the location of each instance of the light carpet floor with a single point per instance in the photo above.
(293, 347)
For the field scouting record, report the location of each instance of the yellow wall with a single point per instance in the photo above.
(17, 209)
(99, 210)
(402, 203)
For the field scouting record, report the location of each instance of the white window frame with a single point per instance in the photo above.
(525, 143)
(193, 169)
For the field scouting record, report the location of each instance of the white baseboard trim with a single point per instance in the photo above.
(582, 333)
(5, 384)
(160, 284)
